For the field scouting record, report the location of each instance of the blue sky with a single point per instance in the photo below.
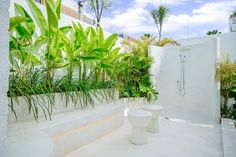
(187, 18)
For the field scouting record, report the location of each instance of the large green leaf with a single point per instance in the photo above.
(31, 58)
(40, 40)
(16, 20)
(110, 41)
(58, 8)
(23, 32)
(106, 66)
(66, 42)
(89, 58)
(29, 23)
(100, 34)
(38, 15)
(65, 29)
(52, 17)
(115, 52)
(82, 33)
(60, 65)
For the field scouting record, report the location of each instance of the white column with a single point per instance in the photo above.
(4, 68)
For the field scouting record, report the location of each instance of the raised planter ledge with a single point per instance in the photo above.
(22, 108)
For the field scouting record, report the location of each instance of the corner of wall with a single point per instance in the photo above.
(4, 70)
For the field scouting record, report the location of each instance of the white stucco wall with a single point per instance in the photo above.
(201, 93)
(4, 69)
(227, 43)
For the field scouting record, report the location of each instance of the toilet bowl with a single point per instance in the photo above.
(139, 119)
(153, 126)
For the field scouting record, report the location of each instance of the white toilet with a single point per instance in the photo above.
(153, 127)
(140, 119)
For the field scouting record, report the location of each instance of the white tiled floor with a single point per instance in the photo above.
(177, 138)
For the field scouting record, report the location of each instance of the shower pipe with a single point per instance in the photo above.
(181, 82)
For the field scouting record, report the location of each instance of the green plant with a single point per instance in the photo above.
(226, 74)
(22, 29)
(233, 14)
(166, 41)
(213, 32)
(139, 47)
(133, 70)
(86, 54)
(49, 37)
(98, 6)
(159, 15)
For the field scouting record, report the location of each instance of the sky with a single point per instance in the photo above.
(187, 18)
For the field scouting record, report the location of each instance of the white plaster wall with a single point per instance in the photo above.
(227, 43)
(202, 95)
(4, 69)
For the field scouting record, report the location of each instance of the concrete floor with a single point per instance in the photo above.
(177, 138)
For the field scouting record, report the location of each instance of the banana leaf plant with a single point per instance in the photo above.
(49, 38)
(90, 52)
(22, 29)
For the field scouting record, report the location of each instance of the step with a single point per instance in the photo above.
(28, 143)
(71, 130)
(228, 137)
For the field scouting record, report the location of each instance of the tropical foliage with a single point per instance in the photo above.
(233, 14)
(213, 32)
(72, 61)
(167, 41)
(133, 75)
(84, 56)
(226, 74)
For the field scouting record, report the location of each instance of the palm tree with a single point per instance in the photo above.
(159, 15)
(98, 6)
